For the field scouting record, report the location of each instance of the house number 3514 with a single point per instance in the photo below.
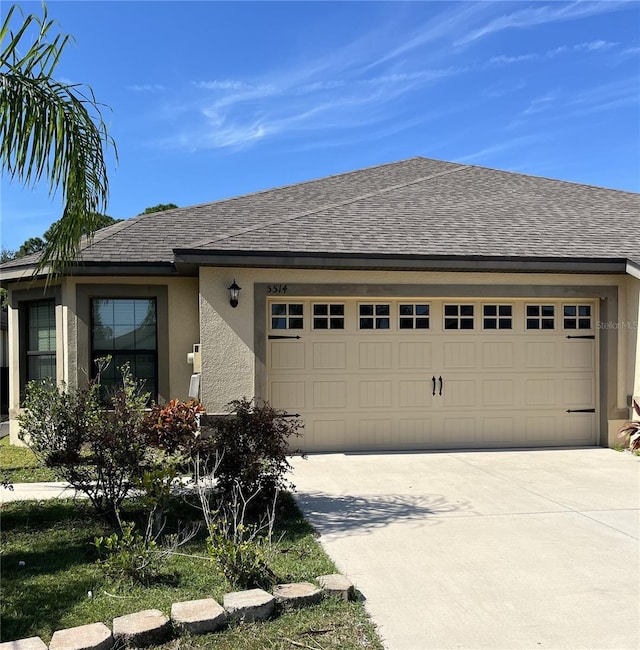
(277, 288)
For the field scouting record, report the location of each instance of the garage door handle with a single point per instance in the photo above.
(433, 379)
(440, 380)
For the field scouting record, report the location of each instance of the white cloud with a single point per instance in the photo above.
(147, 88)
(539, 15)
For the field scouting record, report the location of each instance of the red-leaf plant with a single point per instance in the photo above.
(630, 431)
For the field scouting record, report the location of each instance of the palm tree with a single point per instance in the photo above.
(51, 130)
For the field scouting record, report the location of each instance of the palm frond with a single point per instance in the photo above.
(53, 131)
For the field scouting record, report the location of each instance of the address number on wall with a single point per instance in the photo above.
(277, 288)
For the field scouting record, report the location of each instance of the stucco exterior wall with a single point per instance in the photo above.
(183, 326)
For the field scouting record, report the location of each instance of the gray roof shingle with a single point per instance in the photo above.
(416, 207)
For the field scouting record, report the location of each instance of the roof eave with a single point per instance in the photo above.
(28, 272)
(194, 258)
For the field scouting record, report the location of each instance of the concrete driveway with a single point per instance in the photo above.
(497, 549)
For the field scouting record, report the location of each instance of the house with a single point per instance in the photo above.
(420, 304)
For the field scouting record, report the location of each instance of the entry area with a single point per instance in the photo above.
(369, 374)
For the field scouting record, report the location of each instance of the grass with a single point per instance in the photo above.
(20, 465)
(50, 591)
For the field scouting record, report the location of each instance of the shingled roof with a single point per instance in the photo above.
(417, 208)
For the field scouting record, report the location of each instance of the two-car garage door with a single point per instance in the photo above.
(434, 374)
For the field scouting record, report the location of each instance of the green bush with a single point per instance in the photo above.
(251, 448)
(95, 445)
(128, 555)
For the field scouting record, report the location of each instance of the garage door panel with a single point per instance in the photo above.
(375, 432)
(541, 429)
(329, 394)
(579, 355)
(498, 354)
(375, 355)
(577, 427)
(459, 354)
(329, 434)
(578, 392)
(541, 354)
(459, 393)
(415, 431)
(540, 392)
(497, 392)
(375, 394)
(414, 355)
(498, 430)
(415, 393)
(287, 355)
(288, 395)
(459, 430)
(329, 355)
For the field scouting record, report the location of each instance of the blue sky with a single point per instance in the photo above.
(210, 99)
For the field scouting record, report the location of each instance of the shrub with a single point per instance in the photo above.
(251, 448)
(630, 431)
(129, 555)
(94, 444)
(242, 549)
(174, 426)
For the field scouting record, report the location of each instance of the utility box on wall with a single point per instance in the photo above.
(195, 358)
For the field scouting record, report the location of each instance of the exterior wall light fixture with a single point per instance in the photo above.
(234, 292)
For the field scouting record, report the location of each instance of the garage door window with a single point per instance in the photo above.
(458, 317)
(413, 316)
(287, 316)
(375, 317)
(328, 316)
(577, 317)
(497, 317)
(540, 317)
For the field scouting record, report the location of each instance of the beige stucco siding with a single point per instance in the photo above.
(183, 326)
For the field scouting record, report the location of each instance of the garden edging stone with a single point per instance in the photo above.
(95, 636)
(250, 605)
(142, 628)
(198, 616)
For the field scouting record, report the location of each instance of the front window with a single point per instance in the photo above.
(41, 340)
(126, 329)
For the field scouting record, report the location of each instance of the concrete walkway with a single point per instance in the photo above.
(30, 491)
(513, 549)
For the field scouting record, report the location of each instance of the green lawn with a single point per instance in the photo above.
(19, 465)
(51, 590)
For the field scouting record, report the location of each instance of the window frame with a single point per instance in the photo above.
(329, 317)
(540, 317)
(96, 353)
(459, 316)
(375, 316)
(414, 317)
(498, 317)
(20, 301)
(84, 294)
